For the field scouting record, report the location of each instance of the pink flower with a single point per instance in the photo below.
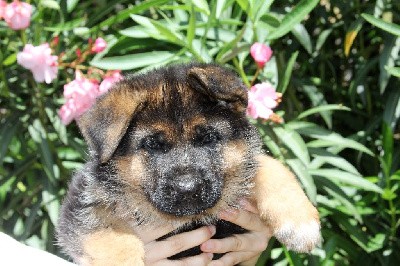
(99, 45)
(17, 15)
(109, 79)
(261, 53)
(81, 86)
(39, 60)
(3, 5)
(262, 99)
(67, 112)
(80, 94)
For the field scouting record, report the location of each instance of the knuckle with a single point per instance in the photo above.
(206, 233)
(177, 245)
(261, 244)
(238, 243)
(185, 263)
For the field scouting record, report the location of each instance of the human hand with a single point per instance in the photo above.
(243, 249)
(157, 252)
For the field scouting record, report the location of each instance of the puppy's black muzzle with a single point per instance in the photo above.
(188, 186)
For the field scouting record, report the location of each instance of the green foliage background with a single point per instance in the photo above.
(341, 106)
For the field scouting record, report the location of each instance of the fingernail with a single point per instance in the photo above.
(228, 213)
(212, 229)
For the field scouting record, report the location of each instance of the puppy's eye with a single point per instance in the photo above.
(155, 143)
(210, 138)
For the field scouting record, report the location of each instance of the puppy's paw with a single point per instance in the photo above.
(284, 206)
(299, 237)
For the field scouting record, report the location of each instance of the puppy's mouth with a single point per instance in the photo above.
(186, 194)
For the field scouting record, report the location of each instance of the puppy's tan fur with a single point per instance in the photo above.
(108, 201)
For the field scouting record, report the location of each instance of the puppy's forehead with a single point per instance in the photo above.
(187, 129)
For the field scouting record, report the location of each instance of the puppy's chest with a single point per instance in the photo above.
(223, 229)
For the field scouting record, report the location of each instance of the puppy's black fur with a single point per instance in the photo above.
(169, 146)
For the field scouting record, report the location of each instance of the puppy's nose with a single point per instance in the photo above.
(187, 184)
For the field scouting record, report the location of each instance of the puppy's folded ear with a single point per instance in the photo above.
(220, 84)
(106, 122)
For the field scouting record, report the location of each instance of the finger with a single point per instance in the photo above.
(202, 259)
(232, 258)
(159, 250)
(254, 242)
(148, 234)
(244, 219)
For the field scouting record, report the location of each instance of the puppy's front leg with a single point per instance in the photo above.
(284, 206)
(108, 246)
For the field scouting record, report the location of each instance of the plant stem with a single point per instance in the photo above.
(39, 101)
(241, 72)
(23, 37)
(255, 76)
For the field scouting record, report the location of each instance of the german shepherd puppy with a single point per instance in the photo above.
(174, 146)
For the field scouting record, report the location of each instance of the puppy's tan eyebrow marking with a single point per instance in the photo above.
(191, 125)
(167, 129)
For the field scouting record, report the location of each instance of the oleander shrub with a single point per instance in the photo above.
(335, 67)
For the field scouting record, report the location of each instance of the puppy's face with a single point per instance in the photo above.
(184, 162)
(177, 137)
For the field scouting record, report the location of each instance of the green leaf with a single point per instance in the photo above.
(125, 13)
(202, 5)
(318, 98)
(305, 178)
(217, 34)
(323, 108)
(343, 177)
(322, 38)
(326, 138)
(52, 203)
(71, 4)
(8, 130)
(272, 146)
(293, 141)
(345, 201)
(301, 34)
(298, 13)
(322, 157)
(158, 30)
(38, 134)
(351, 35)
(284, 81)
(191, 27)
(387, 60)
(11, 59)
(386, 26)
(271, 21)
(395, 71)
(50, 4)
(387, 142)
(133, 61)
(67, 26)
(81, 31)
(230, 49)
(220, 6)
(391, 113)
(388, 194)
(261, 8)
(137, 32)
